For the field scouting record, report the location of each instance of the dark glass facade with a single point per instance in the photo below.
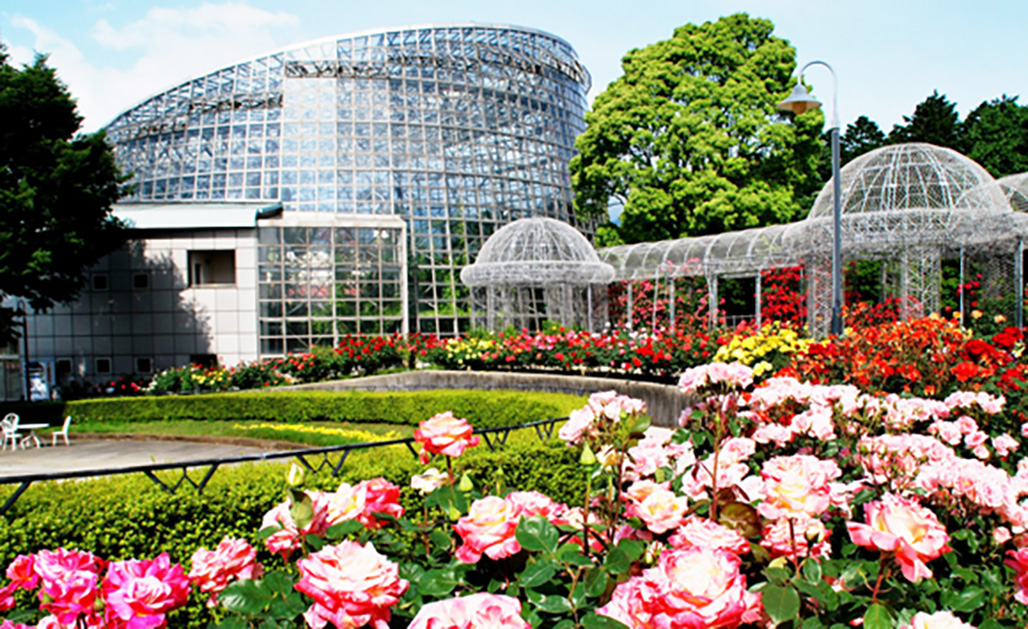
(456, 129)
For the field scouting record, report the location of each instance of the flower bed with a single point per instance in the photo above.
(787, 503)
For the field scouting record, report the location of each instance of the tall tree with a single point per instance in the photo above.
(995, 135)
(862, 135)
(689, 139)
(935, 121)
(56, 191)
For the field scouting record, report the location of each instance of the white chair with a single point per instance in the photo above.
(9, 425)
(63, 432)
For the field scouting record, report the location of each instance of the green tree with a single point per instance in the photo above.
(935, 121)
(689, 140)
(862, 135)
(56, 191)
(995, 135)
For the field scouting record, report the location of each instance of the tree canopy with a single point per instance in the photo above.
(689, 139)
(56, 191)
(995, 135)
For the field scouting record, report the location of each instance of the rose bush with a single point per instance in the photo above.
(783, 502)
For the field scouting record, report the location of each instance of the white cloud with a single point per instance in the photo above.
(166, 46)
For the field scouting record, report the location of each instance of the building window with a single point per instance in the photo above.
(144, 365)
(210, 268)
(63, 366)
(100, 281)
(141, 281)
(103, 365)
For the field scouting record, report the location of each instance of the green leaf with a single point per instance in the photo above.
(439, 582)
(302, 511)
(781, 603)
(877, 617)
(596, 621)
(537, 573)
(341, 530)
(595, 582)
(553, 605)
(640, 425)
(268, 531)
(812, 571)
(536, 533)
(315, 542)
(245, 597)
(232, 623)
(440, 539)
(278, 582)
(572, 554)
(967, 600)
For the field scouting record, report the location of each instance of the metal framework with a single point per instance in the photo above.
(912, 205)
(314, 459)
(458, 129)
(536, 270)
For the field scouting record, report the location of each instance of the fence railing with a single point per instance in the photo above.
(314, 459)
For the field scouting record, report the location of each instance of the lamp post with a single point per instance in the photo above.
(801, 101)
(23, 310)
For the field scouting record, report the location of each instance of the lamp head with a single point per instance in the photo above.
(800, 101)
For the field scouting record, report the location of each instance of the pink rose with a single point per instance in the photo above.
(362, 501)
(10, 624)
(214, 569)
(1004, 444)
(352, 586)
(444, 434)
(7, 597)
(660, 509)
(476, 610)
(1018, 560)
(138, 593)
(530, 503)
(902, 526)
(428, 481)
(70, 579)
(488, 528)
(797, 485)
(22, 571)
(578, 426)
(938, 620)
(288, 538)
(705, 533)
(694, 587)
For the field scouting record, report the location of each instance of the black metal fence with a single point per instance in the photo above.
(314, 459)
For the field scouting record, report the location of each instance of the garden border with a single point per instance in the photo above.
(664, 402)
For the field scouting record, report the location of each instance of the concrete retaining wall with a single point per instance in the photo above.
(664, 402)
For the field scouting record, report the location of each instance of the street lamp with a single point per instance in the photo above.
(801, 101)
(23, 310)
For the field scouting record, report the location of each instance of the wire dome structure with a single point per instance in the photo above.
(536, 270)
(909, 206)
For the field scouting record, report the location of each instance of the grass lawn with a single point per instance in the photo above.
(311, 433)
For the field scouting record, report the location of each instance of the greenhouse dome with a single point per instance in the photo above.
(536, 270)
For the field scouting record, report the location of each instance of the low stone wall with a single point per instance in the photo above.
(664, 402)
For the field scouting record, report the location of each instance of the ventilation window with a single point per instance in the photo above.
(212, 268)
(100, 281)
(63, 366)
(144, 365)
(141, 281)
(103, 365)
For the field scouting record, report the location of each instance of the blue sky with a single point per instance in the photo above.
(889, 55)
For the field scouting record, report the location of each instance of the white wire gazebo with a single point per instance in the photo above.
(911, 205)
(536, 270)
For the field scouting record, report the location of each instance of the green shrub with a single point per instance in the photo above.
(482, 408)
(129, 516)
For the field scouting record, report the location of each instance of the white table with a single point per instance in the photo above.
(32, 433)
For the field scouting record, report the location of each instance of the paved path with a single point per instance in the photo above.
(93, 454)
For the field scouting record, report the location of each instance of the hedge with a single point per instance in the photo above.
(482, 408)
(129, 516)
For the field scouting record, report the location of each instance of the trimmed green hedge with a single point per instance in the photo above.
(482, 408)
(129, 516)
